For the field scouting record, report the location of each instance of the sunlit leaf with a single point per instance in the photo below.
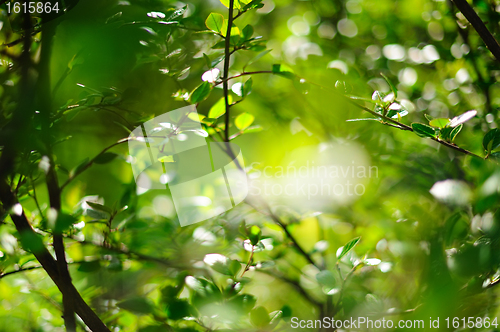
(254, 234)
(215, 22)
(244, 120)
(348, 247)
(439, 123)
(219, 108)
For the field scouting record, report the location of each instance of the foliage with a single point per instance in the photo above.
(278, 78)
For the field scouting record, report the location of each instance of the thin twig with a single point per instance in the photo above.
(295, 284)
(243, 74)
(247, 267)
(277, 220)
(91, 162)
(479, 26)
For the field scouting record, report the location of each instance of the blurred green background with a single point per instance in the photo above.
(423, 253)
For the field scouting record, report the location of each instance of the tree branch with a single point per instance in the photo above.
(294, 284)
(32, 242)
(277, 220)
(225, 76)
(479, 26)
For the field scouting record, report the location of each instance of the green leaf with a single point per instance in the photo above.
(235, 33)
(234, 267)
(286, 311)
(196, 117)
(253, 4)
(201, 92)
(253, 129)
(91, 266)
(445, 133)
(491, 140)
(348, 247)
(169, 293)
(76, 60)
(222, 268)
(423, 130)
(455, 132)
(166, 158)
(217, 60)
(59, 221)
(455, 228)
(246, 33)
(247, 87)
(219, 108)
(254, 234)
(257, 46)
(105, 158)
(244, 120)
(207, 61)
(393, 88)
(178, 309)
(177, 13)
(215, 22)
(79, 168)
(326, 279)
(236, 4)
(440, 122)
(139, 305)
(259, 317)
(257, 58)
(219, 45)
(99, 207)
(276, 68)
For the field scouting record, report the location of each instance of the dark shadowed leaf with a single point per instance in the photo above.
(139, 305)
(105, 158)
(491, 140)
(91, 266)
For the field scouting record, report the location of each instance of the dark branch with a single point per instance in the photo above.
(227, 54)
(479, 26)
